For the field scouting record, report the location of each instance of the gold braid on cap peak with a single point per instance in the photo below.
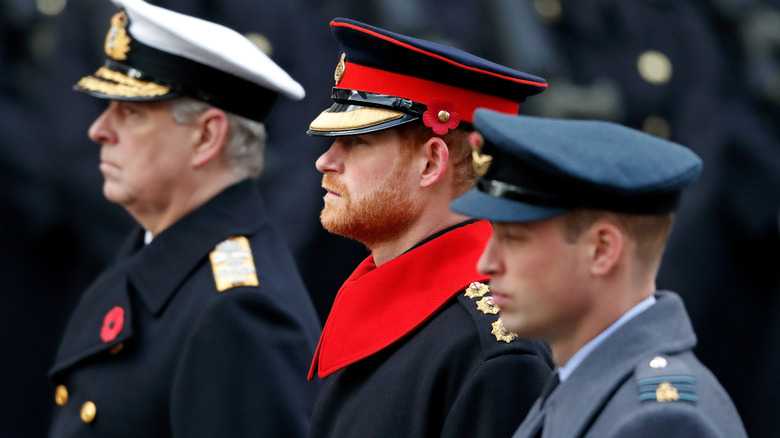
(358, 118)
(121, 85)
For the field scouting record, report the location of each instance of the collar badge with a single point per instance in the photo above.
(501, 333)
(477, 289)
(486, 305)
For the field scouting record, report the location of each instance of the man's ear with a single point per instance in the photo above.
(211, 136)
(436, 155)
(606, 243)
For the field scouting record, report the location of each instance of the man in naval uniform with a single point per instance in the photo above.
(581, 212)
(412, 346)
(202, 326)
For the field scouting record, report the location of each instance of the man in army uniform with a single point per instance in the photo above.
(412, 346)
(202, 326)
(582, 211)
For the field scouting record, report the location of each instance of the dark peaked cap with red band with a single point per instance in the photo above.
(385, 79)
(154, 54)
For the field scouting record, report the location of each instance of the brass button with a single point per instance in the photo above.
(117, 348)
(654, 67)
(88, 412)
(61, 395)
(658, 126)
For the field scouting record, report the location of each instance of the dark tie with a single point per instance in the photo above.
(549, 386)
(552, 382)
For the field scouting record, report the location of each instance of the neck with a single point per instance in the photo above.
(185, 200)
(428, 224)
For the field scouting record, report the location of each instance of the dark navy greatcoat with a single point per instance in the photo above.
(643, 381)
(451, 371)
(180, 358)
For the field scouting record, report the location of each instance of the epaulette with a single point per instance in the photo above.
(233, 264)
(664, 379)
(479, 293)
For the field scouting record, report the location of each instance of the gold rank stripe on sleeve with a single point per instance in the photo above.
(233, 264)
(486, 305)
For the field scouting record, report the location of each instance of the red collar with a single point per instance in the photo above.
(378, 306)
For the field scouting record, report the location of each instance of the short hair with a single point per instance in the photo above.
(245, 138)
(649, 232)
(464, 176)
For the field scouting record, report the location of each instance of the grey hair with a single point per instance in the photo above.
(245, 138)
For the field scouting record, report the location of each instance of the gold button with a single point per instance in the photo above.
(654, 67)
(61, 395)
(658, 126)
(117, 348)
(444, 116)
(88, 412)
(549, 10)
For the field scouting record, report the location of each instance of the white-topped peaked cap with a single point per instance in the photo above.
(154, 54)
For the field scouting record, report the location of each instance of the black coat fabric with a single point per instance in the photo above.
(191, 361)
(450, 378)
(642, 381)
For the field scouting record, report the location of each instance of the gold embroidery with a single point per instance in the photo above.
(125, 86)
(501, 333)
(233, 264)
(486, 305)
(666, 393)
(481, 162)
(341, 68)
(117, 41)
(477, 289)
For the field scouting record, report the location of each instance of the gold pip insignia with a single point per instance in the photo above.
(501, 333)
(486, 305)
(117, 41)
(340, 69)
(233, 264)
(481, 162)
(477, 289)
(666, 393)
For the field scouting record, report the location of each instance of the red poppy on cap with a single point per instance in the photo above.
(441, 116)
(112, 324)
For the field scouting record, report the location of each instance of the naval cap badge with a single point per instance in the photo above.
(117, 41)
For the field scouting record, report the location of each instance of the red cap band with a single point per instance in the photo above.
(362, 78)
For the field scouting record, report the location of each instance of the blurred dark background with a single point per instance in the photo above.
(704, 73)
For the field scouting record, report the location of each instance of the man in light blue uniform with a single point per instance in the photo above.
(581, 211)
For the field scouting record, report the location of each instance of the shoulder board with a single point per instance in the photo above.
(233, 264)
(664, 379)
(480, 296)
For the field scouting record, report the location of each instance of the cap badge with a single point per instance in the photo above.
(477, 289)
(501, 333)
(113, 323)
(486, 305)
(480, 161)
(233, 264)
(441, 116)
(666, 392)
(340, 69)
(117, 41)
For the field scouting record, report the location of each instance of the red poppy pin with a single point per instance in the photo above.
(441, 116)
(112, 324)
